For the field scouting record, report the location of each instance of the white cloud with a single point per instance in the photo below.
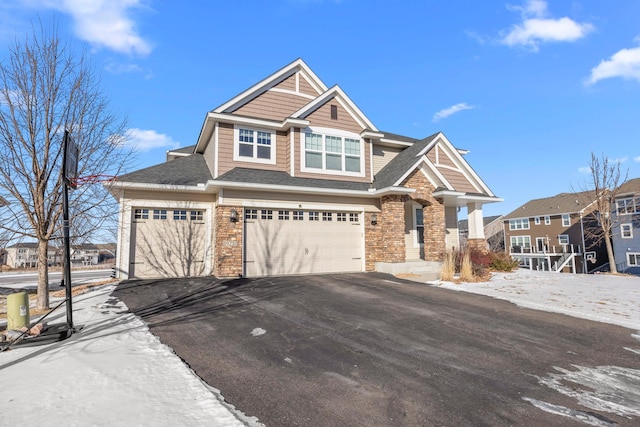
(636, 159)
(537, 28)
(146, 140)
(104, 23)
(443, 114)
(625, 63)
(585, 170)
(619, 160)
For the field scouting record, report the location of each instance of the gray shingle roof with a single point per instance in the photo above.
(631, 186)
(400, 164)
(283, 178)
(396, 137)
(463, 224)
(184, 150)
(556, 205)
(190, 170)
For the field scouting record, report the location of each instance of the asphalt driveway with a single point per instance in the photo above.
(373, 350)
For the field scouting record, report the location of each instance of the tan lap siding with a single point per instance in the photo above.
(458, 180)
(273, 106)
(382, 156)
(225, 147)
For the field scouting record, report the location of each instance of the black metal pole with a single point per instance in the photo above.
(65, 235)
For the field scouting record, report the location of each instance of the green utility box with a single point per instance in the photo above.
(17, 311)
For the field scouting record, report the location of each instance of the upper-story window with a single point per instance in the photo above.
(628, 205)
(332, 151)
(519, 224)
(566, 220)
(547, 220)
(253, 145)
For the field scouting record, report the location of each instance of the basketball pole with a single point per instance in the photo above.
(65, 234)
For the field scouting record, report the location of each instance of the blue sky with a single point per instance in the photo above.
(530, 88)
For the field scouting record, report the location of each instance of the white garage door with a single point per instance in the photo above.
(167, 243)
(297, 242)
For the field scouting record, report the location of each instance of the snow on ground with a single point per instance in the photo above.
(600, 297)
(112, 372)
(115, 372)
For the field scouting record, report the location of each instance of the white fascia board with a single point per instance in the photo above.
(270, 81)
(205, 135)
(308, 190)
(120, 185)
(429, 146)
(394, 143)
(467, 168)
(431, 167)
(371, 134)
(343, 99)
(480, 198)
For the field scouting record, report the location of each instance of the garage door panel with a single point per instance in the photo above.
(278, 246)
(164, 247)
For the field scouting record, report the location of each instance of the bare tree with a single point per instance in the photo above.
(47, 86)
(604, 183)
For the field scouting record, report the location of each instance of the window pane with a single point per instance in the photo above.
(245, 135)
(264, 138)
(264, 152)
(245, 150)
(313, 160)
(352, 164)
(352, 146)
(420, 235)
(334, 162)
(334, 144)
(419, 216)
(313, 141)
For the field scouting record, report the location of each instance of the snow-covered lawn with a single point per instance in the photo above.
(605, 298)
(115, 372)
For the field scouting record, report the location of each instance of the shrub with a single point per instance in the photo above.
(503, 262)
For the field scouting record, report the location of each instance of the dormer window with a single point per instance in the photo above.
(254, 145)
(332, 152)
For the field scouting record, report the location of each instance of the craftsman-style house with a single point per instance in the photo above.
(291, 177)
(551, 234)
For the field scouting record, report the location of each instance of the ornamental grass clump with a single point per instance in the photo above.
(448, 267)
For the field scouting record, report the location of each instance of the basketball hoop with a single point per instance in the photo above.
(92, 179)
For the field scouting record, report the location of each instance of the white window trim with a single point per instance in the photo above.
(629, 260)
(513, 222)
(563, 235)
(537, 220)
(630, 236)
(330, 132)
(547, 220)
(523, 238)
(566, 218)
(236, 145)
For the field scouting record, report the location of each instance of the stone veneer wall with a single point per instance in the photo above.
(391, 247)
(433, 216)
(228, 242)
(479, 244)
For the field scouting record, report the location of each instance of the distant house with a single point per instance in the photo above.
(493, 232)
(88, 254)
(549, 234)
(25, 255)
(626, 229)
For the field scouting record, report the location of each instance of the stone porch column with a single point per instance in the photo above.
(434, 231)
(476, 239)
(391, 222)
(228, 242)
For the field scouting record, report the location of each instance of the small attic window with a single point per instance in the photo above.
(334, 112)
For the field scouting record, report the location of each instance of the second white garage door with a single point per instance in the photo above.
(281, 242)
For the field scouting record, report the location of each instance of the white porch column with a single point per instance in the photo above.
(476, 221)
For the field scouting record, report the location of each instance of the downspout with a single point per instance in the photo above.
(371, 158)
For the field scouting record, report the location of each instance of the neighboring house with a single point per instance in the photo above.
(107, 252)
(549, 234)
(626, 229)
(25, 255)
(85, 254)
(291, 177)
(493, 232)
